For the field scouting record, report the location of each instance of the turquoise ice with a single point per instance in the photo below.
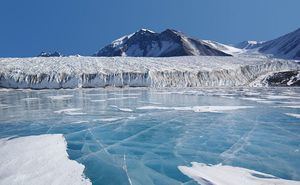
(141, 136)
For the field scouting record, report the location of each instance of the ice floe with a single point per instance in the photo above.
(38, 160)
(229, 175)
(293, 115)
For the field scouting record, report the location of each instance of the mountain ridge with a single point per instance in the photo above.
(286, 46)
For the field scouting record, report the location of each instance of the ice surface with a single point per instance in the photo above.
(70, 111)
(228, 175)
(61, 97)
(38, 160)
(290, 106)
(200, 71)
(120, 143)
(197, 108)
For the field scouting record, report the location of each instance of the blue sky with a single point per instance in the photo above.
(84, 26)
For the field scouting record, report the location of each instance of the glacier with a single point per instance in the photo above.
(192, 71)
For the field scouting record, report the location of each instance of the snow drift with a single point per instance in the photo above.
(199, 71)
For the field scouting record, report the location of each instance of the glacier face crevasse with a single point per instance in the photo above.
(73, 72)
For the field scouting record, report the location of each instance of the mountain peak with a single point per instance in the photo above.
(147, 43)
(46, 54)
(172, 31)
(144, 31)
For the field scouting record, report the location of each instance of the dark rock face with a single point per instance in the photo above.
(45, 54)
(145, 43)
(287, 78)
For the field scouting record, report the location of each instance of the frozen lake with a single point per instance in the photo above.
(141, 136)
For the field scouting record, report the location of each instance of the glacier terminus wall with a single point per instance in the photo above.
(192, 71)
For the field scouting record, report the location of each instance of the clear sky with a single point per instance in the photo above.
(84, 26)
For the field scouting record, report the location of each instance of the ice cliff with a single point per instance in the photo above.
(193, 71)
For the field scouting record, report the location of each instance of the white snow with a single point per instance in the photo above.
(154, 107)
(125, 109)
(281, 97)
(109, 119)
(250, 44)
(30, 99)
(253, 42)
(97, 100)
(192, 71)
(71, 111)
(38, 160)
(294, 79)
(290, 106)
(60, 97)
(293, 115)
(253, 99)
(122, 108)
(121, 98)
(229, 175)
(147, 30)
(121, 40)
(222, 47)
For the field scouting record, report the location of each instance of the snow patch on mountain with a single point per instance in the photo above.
(223, 47)
(250, 44)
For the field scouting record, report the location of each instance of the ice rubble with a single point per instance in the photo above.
(43, 160)
(229, 175)
(200, 71)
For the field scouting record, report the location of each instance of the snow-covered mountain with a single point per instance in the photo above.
(54, 54)
(286, 46)
(249, 44)
(146, 43)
